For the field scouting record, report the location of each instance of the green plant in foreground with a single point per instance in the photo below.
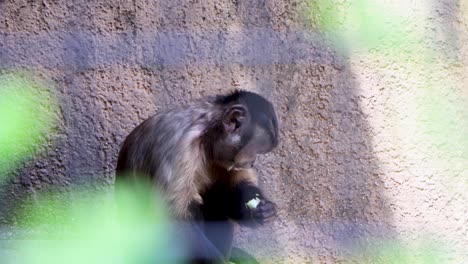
(362, 25)
(26, 117)
(93, 230)
(395, 252)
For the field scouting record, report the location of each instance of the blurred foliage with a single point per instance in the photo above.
(91, 229)
(413, 48)
(395, 252)
(398, 38)
(444, 120)
(358, 24)
(26, 117)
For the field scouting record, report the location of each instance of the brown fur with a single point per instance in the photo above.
(203, 152)
(173, 149)
(182, 173)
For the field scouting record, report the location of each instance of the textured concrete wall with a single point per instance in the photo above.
(416, 103)
(354, 168)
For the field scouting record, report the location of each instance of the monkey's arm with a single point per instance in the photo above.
(201, 249)
(244, 189)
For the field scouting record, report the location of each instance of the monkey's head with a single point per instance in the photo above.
(248, 126)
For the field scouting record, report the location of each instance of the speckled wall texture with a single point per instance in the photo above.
(374, 149)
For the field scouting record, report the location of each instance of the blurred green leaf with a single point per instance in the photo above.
(396, 252)
(361, 25)
(26, 116)
(92, 230)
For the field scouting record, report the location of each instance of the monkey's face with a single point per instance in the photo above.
(244, 135)
(258, 143)
(237, 152)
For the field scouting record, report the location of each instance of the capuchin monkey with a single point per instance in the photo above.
(200, 158)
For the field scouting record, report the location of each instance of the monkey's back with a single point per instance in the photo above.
(165, 150)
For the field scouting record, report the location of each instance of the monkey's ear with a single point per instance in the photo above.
(234, 118)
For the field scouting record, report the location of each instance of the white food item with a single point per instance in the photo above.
(252, 204)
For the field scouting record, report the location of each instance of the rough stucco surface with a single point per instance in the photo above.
(351, 167)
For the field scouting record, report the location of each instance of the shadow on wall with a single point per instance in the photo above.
(324, 176)
(113, 72)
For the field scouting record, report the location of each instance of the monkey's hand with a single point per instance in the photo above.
(250, 208)
(263, 212)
